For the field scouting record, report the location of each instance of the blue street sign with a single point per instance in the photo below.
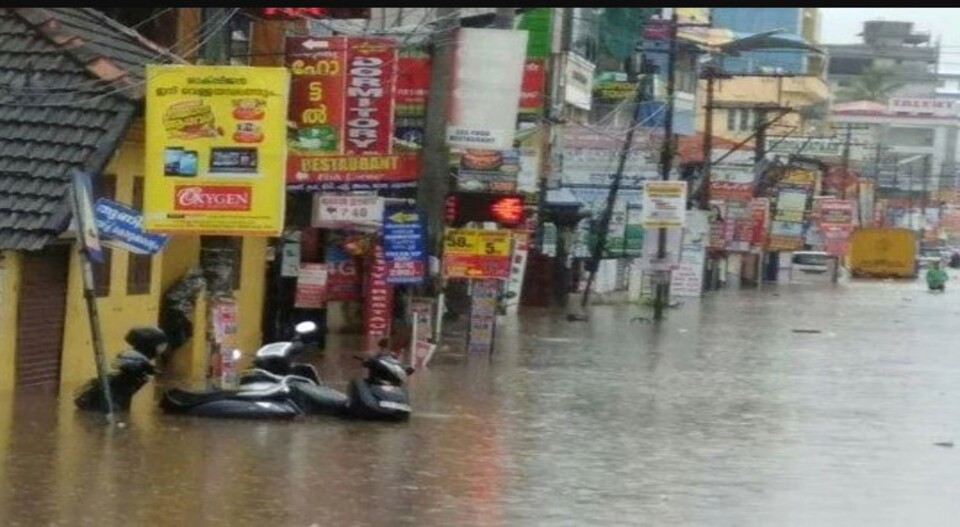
(404, 244)
(121, 227)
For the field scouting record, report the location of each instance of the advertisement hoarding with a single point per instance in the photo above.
(215, 150)
(476, 253)
(342, 108)
(486, 88)
(664, 204)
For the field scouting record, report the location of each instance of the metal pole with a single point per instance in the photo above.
(94, 317)
(707, 142)
(666, 163)
(435, 184)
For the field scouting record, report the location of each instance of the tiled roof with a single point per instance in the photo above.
(71, 81)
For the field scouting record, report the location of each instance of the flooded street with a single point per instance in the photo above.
(723, 415)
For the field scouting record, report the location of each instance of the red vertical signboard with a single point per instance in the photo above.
(377, 301)
(413, 83)
(531, 90)
(371, 80)
(318, 82)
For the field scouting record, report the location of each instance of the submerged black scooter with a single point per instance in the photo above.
(279, 386)
(132, 369)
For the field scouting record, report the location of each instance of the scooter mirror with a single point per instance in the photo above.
(305, 327)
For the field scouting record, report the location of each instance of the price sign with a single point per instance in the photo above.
(476, 253)
(332, 211)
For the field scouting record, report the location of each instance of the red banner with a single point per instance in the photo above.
(317, 88)
(353, 169)
(413, 83)
(371, 81)
(377, 301)
(531, 89)
(476, 266)
(759, 216)
(728, 191)
(342, 105)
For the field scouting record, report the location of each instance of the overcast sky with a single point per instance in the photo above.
(840, 25)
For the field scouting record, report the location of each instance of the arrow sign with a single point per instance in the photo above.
(314, 44)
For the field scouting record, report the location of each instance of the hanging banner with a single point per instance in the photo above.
(731, 182)
(486, 88)
(484, 295)
(404, 244)
(664, 204)
(121, 228)
(477, 253)
(531, 90)
(215, 148)
(377, 301)
(413, 83)
(342, 105)
(311, 286)
(422, 313)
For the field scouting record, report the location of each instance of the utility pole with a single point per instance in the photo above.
(846, 162)
(642, 93)
(666, 164)
(217, 253)
(924, 176)
(435, 179)
(710, 75)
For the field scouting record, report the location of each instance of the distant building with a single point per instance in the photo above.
(892, 45)
(948, 86)
(802, 22)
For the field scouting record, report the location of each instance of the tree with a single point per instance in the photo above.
(874, 84)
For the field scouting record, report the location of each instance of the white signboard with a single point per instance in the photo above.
(578, 80)
(664, 204)
(485, 94)
(529, 170)
(687, 279)
(918, 106)
(334, 212)
(805, 146)
(589, 158)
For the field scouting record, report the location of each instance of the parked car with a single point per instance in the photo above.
(814, 267)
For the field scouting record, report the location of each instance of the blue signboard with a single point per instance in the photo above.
(121, 227)
(404, 245)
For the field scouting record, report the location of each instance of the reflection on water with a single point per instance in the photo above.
(722, 416)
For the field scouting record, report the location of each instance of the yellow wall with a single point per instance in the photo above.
(792, 92)
(9, 292)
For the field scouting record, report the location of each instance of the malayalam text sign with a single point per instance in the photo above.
(664, 204)
(122, 227)
(215, 150)
(404, 244)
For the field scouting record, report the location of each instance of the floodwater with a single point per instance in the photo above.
(721, 416)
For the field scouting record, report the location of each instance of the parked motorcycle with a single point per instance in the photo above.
(281, 387)
(132, 369)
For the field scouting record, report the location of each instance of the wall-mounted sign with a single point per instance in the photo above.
(922, 106)
(404, 244)
(578, 80)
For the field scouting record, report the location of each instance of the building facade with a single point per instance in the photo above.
(887, 45)
(801, 22)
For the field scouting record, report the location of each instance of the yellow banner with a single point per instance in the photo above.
(215, 150)
(477, 242)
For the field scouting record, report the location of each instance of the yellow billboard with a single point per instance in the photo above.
(215, 150)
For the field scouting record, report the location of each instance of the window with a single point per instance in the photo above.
(139, 266)
(741, 119)
(105, 186)
(240, 34)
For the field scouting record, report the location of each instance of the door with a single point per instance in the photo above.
(41, 316)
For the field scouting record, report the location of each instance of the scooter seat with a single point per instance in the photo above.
(187, 398)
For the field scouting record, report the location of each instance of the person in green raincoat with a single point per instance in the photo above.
(936, 277)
